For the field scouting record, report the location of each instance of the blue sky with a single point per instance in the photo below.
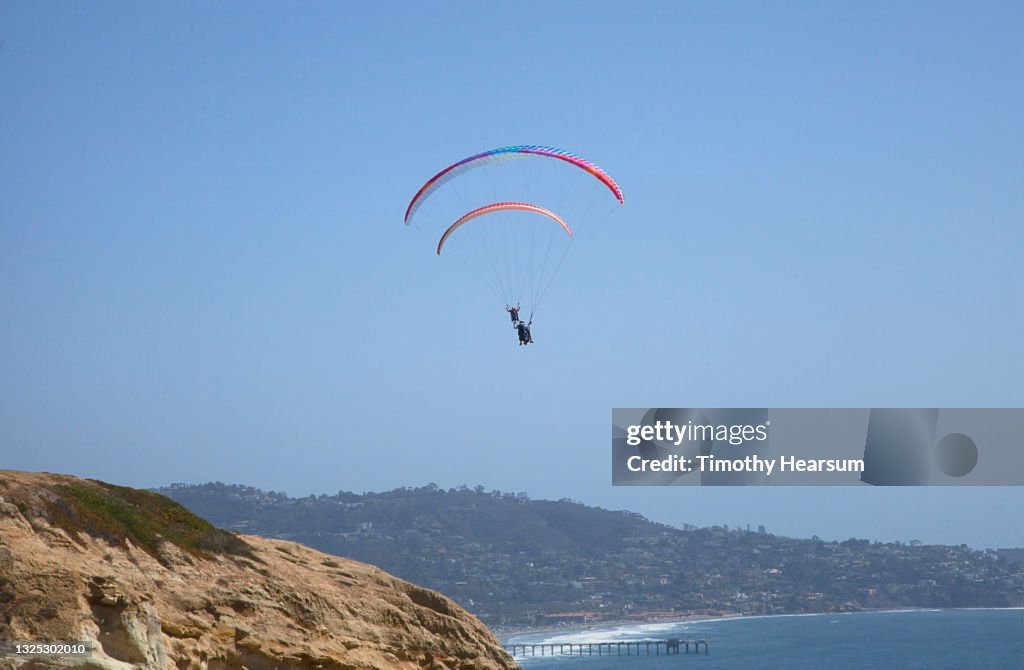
(204, 273)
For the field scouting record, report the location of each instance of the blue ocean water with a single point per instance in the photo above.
(925, 640)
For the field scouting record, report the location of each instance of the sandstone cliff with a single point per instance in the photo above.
(151, 586)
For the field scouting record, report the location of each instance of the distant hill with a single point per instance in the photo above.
(514, 561)
(148, 584)
(1015, 554)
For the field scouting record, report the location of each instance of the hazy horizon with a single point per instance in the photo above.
(667, 519)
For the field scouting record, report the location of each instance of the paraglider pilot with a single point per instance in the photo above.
(514, 313)
(525, 336)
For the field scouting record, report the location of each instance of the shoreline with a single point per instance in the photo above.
(504, 634)
(611, 623)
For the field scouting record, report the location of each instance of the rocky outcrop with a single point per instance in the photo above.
(149, 587)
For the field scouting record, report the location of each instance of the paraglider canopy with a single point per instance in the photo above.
(507, 153)
(512, 196)
(499, 207)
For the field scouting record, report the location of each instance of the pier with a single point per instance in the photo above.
(630, 648)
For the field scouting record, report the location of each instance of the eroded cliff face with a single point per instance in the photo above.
(66, 573)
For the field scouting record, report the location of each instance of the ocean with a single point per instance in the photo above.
(921, 639)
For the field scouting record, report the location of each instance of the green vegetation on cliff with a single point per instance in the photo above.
(118, 515)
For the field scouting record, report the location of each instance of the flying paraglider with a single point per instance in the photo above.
(511, 248)
(523, 329)
(514, 313)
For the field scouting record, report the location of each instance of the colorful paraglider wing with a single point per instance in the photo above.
(498, 207)
(507, 153)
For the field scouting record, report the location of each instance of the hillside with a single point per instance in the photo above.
(150, 585)
(513, 561)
